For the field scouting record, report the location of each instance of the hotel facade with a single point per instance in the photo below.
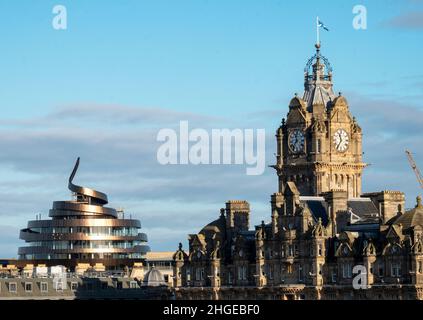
(83, 233)
(322, 228)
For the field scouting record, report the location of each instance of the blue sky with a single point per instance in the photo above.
(102, 88)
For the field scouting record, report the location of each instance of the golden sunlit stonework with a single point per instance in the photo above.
(326, 239)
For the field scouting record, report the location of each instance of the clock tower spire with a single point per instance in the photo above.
(319, 145)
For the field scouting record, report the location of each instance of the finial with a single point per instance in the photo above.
(283, 121)
(180, 246)
(419, 202)
(75, 168)
(296, 94)
(339, 93)
(262, 223)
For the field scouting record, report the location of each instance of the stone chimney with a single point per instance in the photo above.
(389, 203)
(237, 215)
(337, 201)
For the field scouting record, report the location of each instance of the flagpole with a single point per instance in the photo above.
(317, 30)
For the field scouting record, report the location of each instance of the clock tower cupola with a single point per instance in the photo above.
(319, 145)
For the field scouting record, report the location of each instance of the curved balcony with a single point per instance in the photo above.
(86, 222)
(35, 237)
(70, 208)
(83, 229)
(143, 249)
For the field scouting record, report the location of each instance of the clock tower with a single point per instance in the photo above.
(319, 143)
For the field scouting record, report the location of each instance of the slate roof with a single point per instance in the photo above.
(364, 208)
(319, 209)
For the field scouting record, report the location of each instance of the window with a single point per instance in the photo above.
(74, 286)
(395, 269)
(28, 286)
(44, 287)
(289, 268)
(334, 275)
(318, 146)
(133, 285)
(229, 277)
(242, 273)
(199, 274)
(320, 268)
(12, 287)
(320, 249)
(296, 250)
(270, 272)
(291, 250)
(420, 267)
(300, 273)
(346, 270)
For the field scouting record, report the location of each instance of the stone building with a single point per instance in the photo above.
(55, 283)
(325, 239)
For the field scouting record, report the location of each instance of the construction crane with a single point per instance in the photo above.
(415, 168)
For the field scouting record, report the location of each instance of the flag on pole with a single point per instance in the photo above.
(320, 24)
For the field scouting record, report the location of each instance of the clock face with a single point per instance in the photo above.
(296, 141)
(341, 140)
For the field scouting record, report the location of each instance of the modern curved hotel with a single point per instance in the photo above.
(83, 230)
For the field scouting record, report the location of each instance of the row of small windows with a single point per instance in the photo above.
(86, 244)
(268, 270)
(199, 273)
(292, 250)
(64, 256)
(60, 286)
(43, 286)
(100, 231)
